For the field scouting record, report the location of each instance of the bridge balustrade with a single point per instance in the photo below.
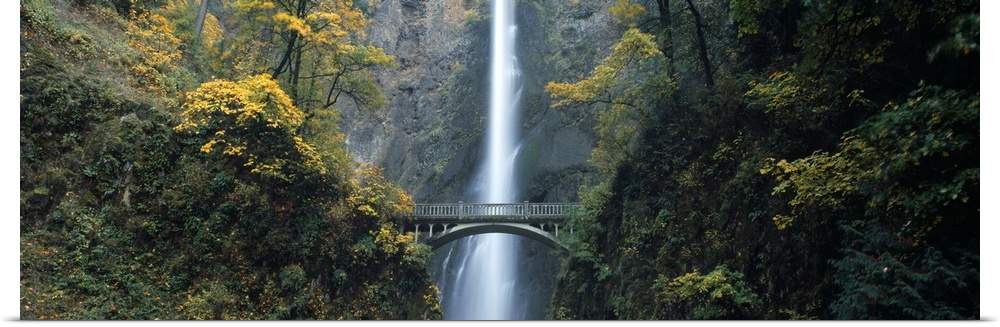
(435, 223)
(491, 211)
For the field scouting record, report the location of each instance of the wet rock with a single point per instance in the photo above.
(429, 136)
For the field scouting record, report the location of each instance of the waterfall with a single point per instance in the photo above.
(480, 271)
(505, 88)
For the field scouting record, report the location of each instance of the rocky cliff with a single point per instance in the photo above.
(429, 137)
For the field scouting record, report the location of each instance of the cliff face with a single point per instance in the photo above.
(430, 136)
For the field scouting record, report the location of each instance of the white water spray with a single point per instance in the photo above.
(485, 284)
(505, 88)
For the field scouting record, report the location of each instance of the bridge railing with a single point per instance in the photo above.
(461, 210)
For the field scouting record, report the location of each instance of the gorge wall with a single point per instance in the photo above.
(430, 135)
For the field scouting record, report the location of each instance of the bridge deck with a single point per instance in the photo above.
(441, 223)
(492, 211)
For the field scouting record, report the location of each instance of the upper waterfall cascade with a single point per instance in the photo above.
(485, 285)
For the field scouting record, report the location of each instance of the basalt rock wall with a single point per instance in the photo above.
(429, 137)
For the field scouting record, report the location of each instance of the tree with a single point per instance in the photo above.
(908, 164)
(880, 276)
(721, 294)
(314, 48)
(626, 86)
(872, 214)
(672, 29)
(133, 208)
(253, 123)
(699, 28)
(199, 22)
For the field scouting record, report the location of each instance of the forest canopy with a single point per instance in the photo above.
(790, 160)
(767, 159)
(179, 163)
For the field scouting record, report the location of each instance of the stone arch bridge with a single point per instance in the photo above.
(440, 223)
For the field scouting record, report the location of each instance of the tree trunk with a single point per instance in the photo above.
(199, 22)
(293, 54)
(667, 40)
(293, 38)
(294, 77)
(702, 46)
(666, 31)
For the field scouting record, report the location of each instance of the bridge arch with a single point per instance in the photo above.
(438, 224)
(460, 231)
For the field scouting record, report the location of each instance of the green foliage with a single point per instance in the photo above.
(626, 13)
(852, 125)
(878, 159)
(321, 52)
(254, 122)
(789, 100)
(963, 41)
(154, 37)
(934, 135)
(882, 278)
(584, 267)
(123, 7)
(626, 84)
(859, 37)
(872, 213)
(721, 294)
(136, 205)
(135, 52)
(747, 14)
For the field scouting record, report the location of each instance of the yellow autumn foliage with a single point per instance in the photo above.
(623, 92)
(626, 12)
(155, 39)
(321, 52)
(708, 296)
(212, 32)
(372, 194)
(252, 120)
